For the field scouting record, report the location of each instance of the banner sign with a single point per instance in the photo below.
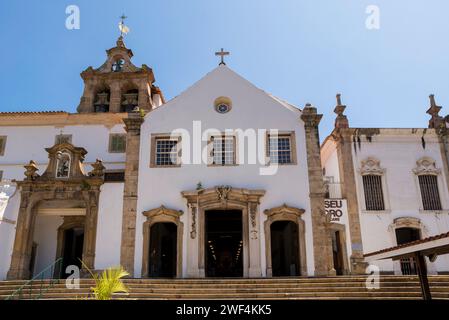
(336, 208)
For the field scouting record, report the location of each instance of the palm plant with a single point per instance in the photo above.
(108, 282)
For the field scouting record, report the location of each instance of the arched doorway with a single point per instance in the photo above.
(284, 249)
(405, 235)
(163, 250)
(72, 252)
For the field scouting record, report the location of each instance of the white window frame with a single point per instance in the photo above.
(210, 149)
(292, 139)
(153, 157)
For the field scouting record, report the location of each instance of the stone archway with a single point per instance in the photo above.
(224, 198)
(162, 215)
(286, 213)
(413, 223)
(76, 190)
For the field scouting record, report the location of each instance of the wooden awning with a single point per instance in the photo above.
(436, 245)
(430, 247)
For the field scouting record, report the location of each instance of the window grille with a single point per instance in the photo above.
(429, 192)
(374, 198)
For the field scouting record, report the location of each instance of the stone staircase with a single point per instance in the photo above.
(343, 287)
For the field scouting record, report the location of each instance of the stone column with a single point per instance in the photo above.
(90, 227)
(438, 123)
(349, 192)
(322, 246)
(255, 269)
(20, 259)
(132, 126)
(192, 244)
(115, 99)
(87, 100)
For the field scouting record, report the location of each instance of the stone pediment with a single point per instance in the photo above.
(66, 163)
(223, 194)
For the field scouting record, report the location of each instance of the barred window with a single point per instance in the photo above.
(374, 197)
(2, 145)
(117, 143)
(280, 149)
(63, 138)
(429, 192)
(223, 150)
(166, 152)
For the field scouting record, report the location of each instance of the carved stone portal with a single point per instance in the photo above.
(75, 190)
(224, 198)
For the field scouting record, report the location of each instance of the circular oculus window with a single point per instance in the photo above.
(222, 108)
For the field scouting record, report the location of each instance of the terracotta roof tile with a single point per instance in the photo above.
(408, 244)
(27, 113)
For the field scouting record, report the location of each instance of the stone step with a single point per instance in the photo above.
(353, 287)
(242, 281)
(237, 291)
(226, 296)
(286, 286)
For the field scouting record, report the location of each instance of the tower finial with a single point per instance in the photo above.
(341, 121)
(436, 120)
(122, 27)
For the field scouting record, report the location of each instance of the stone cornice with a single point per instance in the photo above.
(284, 209)
(163, 211)
(223, 194)
(57, 119)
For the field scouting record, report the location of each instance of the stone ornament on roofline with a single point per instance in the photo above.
(426, 165)
(371, 166)
(31, 171)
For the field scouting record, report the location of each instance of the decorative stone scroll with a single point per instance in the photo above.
(426, 166)
(371, 166)
(227, 198)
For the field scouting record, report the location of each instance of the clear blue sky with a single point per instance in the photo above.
(301, 51)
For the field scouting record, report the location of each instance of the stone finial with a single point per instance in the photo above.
(31, 171)
(341, 121)
(98, 170)
(310, 116)
(436, 121)
(120, 43)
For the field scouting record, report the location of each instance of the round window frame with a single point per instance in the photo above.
(222, 101)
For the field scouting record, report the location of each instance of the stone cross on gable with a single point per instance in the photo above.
(222, 54)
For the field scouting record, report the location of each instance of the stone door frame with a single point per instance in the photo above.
(286, 213)
(226, 198)
(162, 215)
(343, 245)
(35, 193)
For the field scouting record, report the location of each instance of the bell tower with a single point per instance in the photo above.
(118, 85)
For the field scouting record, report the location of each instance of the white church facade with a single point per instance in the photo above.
(201, 186)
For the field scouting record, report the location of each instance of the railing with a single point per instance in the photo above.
(21, 292)
(333, 190)
(408, 266)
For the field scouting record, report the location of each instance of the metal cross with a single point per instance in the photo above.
(222, 54)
